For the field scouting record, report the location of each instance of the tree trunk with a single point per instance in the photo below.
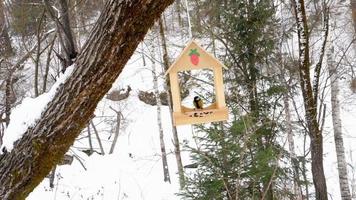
(353, 10)
(38, 55)
(66, 33)
(310, 102)
(114, 38)
(339, 143)
(159, 113)
(102, 152)
(91, 149)
(178, 11)
(8, 97)
(170, 106)
(353, 179)
(188, 19)
(64, 30)
(117, 130)
(5, 42)
(48, 62)
(296, 182)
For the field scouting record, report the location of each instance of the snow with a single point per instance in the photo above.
(25, 115)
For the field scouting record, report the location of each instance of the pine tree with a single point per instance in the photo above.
(241, 159)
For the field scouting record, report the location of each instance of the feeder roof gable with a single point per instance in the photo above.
(193, 57)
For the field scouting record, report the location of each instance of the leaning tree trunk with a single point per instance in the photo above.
(336, 118)
(310, 94)
(114, 38)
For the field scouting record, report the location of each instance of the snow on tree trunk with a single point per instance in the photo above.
(336, 119)
(159, 113)
(310, 102)
(114, 38)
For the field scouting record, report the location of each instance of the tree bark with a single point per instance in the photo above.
(48, 62)
(353, 11)
(310, 101)
(117, 130)
(8, 97)
(102, 152)
(170, 106)
(5, 42)
(64, 30)
(38, 55)
(114, 38)
(337, 126)
(166, 176)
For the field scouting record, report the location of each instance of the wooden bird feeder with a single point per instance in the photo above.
(194, 57)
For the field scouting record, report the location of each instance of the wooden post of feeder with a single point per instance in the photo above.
(175, 90)
(219, 88)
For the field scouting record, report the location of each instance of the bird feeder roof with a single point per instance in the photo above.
(193, 57)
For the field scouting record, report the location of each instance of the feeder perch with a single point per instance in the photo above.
(194, 57)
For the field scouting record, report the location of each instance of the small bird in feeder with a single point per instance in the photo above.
(198, 102)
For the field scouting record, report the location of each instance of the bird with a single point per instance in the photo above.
(198, 102)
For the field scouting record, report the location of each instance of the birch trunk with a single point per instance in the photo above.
(353, 180)
(159, 120)
(114, 38)
(170, 106)
(337, 127)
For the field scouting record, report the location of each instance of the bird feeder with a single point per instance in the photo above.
(194, 57)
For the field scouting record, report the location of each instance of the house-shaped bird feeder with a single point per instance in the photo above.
(194, 57)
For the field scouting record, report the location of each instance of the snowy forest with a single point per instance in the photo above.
(88, 103)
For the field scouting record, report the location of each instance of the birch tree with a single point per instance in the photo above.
(170, 106)
(159, 112)
(310, 91)
(114, 38)
(337, 126)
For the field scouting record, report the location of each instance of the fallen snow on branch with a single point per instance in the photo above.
(25, 115)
